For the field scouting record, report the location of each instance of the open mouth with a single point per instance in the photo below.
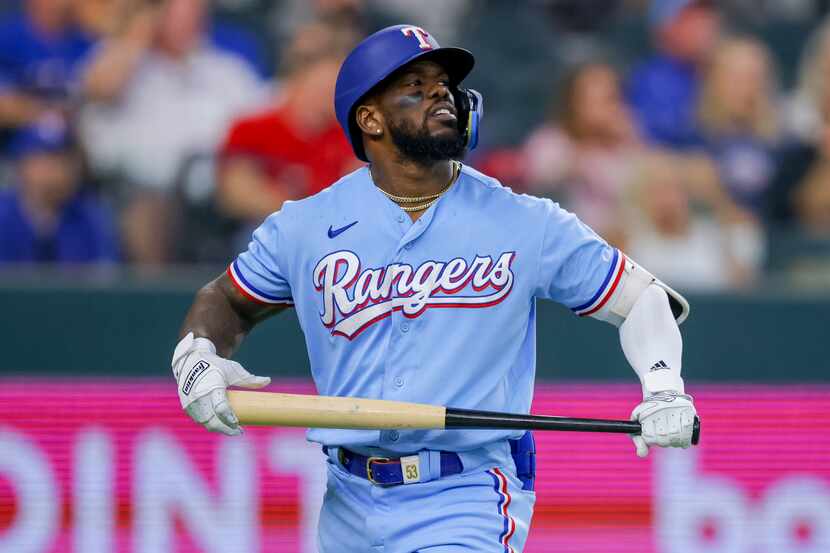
(443, 114)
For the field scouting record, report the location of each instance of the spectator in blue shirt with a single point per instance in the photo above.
(40, 52)
(45, 217)
(738, 122)
(663, 91)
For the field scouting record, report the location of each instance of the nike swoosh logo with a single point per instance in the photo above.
(333, 233)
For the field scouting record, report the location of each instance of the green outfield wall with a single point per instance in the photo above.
(113, 324)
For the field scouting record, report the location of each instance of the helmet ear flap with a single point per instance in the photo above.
(470, 106)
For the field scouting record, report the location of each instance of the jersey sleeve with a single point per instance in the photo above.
(577, 268)
(258, 273)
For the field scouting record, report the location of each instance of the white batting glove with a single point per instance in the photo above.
(202, 377)
(667, 419)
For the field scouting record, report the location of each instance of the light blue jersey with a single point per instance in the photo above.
(440, 311)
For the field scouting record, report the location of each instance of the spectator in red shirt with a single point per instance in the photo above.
(294, 148)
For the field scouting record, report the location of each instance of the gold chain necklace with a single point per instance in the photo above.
(423, 202)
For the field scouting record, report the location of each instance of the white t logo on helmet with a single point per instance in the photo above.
(418, 33)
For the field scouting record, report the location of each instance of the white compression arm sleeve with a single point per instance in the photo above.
(651, 342)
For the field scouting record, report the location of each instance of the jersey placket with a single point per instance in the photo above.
(403, 349)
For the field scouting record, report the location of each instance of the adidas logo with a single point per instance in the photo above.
(659, 366)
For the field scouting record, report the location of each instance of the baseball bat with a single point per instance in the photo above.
(275, 409)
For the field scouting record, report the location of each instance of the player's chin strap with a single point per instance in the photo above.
(470, 105)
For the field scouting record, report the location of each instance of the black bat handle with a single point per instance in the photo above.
(467, 418)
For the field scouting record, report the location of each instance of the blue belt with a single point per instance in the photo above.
(387, 471)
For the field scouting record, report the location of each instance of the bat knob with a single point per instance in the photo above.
(696, 431)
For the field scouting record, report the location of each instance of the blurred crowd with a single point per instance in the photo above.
(158, 132)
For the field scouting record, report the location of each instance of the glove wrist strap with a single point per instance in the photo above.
(187, 345)
(664, 380)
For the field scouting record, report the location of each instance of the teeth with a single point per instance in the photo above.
(443, 111)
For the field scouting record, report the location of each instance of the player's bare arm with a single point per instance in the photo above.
(223, 315)
(217, 322)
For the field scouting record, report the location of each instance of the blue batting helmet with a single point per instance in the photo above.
(381, 54)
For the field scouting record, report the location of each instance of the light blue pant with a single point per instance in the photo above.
(482, 509)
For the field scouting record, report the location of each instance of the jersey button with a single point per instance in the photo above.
(404, 327)
(408, 246)
(394, 435)
(398, 381)
(400, 218)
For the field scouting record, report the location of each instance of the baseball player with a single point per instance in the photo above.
(415, 278)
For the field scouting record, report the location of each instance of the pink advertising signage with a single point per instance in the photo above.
(115, 466)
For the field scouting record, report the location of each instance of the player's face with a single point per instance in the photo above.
(420, 96)
(419, 113)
